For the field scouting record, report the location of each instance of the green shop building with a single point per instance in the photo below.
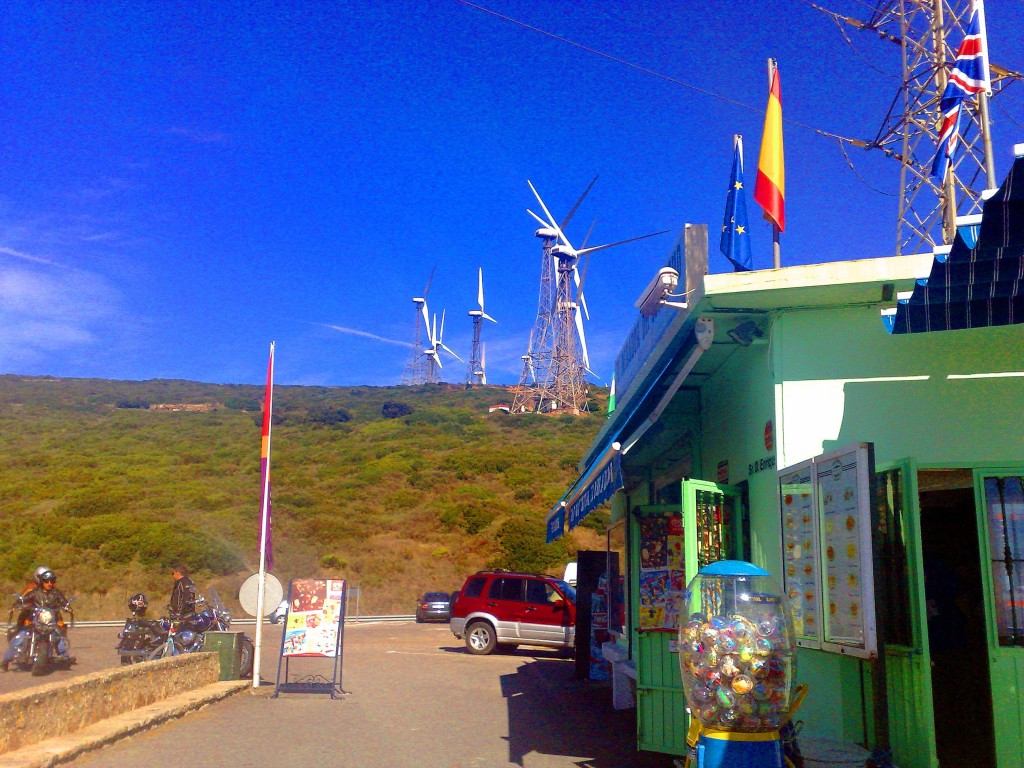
(857, 429)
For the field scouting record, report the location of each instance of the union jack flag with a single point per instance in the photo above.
(968, 78)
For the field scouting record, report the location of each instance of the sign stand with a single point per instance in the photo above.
(314, 628)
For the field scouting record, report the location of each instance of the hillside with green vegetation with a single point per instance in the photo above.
(399, 490)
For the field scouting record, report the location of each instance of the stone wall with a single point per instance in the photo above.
(56, 709)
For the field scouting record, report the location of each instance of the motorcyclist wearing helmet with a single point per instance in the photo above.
(183, 593)
(44, 594)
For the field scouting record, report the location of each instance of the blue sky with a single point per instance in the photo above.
(181, 183)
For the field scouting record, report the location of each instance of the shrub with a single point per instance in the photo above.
(395, 410)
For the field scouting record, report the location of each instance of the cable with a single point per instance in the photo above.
(862, 179)
(683, 83)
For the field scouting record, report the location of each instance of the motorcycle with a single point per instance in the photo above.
(38, 637)
(143, 639)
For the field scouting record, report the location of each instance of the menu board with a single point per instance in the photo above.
(315, 613)
(801, 577)
(662, 578)
(825, 504)
(843, 492)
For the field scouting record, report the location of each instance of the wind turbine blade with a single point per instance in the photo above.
(589, 232)
(434, 338)
(441, 334)
(579, 289)
(583, 339)
(620, 242)
(429, 281)
(547, 213)
(540, 221)
(569, 215)
(480, 288)
(426, 320)
(485, 316)
(445, 348)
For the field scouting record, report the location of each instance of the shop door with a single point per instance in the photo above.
(907, 662)
(1000, 502)
(670, 543)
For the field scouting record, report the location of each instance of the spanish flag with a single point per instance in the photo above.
(770, 187)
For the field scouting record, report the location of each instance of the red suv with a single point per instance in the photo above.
(498, 608)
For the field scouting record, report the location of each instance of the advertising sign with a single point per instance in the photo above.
(315, 612)
(825, 504)
(662, 575)
(801, 574)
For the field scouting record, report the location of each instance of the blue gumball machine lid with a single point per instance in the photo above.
(733, 568)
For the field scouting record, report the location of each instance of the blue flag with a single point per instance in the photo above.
(735, 243)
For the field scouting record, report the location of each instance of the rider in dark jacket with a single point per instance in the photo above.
(43, 595)
(183, 593)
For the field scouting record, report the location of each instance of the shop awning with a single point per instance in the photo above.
(593, 488)
(979, 281)
(600, 485)
(603, 477)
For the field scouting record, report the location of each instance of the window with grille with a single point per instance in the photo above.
(1004, 506)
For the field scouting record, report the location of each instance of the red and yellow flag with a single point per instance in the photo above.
(265, 538)
(770, 187)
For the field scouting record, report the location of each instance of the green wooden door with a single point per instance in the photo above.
(907, 662)
(710, 531)
(661, 719)
(999, 499)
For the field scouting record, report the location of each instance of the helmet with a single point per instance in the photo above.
(42, 573)
(137, 603)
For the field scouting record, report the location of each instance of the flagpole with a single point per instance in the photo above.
(776, 247)
(264, 519)
(986, 73)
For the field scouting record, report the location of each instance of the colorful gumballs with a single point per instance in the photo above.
(759, 691)
(719, 622)
(742, 684)
(767, 627)
(729, 668)
(725, 698)
(758, 666)
(713, 678)
(740, 627)
(745, 652)
(726, 643)
(763, 646)
(729, 716)
(701, 693)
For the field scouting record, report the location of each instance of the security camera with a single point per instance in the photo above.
(663, 284)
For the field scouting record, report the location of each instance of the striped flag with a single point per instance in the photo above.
(969, 77)
(265, 541)
(770, 187)
(735, 242)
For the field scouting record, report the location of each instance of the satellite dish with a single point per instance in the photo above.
(273, 593)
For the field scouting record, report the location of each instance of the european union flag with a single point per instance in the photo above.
(735, 243)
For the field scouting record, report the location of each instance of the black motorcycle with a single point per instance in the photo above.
(38, 636)
(143, 639)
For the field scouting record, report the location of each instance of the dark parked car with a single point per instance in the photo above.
(433, 606)
(496, 609)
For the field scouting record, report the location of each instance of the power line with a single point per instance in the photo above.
(653, 73)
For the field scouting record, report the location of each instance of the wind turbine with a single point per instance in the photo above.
(475, 370)
(433, 352)
(416, 368)
(558, 358)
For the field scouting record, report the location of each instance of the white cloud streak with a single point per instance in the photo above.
(365, 334)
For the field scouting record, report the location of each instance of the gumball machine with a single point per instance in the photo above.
(738, 664)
